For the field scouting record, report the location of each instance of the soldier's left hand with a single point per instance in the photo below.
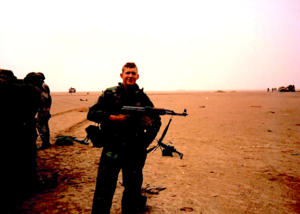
(146, 121)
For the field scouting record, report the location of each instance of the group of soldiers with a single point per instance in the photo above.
(25, 108)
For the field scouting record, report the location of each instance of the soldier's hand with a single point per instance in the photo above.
(146, 121)
(120, 117)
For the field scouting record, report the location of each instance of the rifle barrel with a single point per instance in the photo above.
(84, 142)
(159, 111)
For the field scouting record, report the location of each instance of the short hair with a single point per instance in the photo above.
(129, 65)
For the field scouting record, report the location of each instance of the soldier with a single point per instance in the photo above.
(18, 138)
(126, 140)
(43, 116)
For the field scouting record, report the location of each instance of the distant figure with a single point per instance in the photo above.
(18, 140)
(43, 116)
(268, 89)
(72, 90)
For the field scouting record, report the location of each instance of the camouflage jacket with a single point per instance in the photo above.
(44, 111)
(111, 102)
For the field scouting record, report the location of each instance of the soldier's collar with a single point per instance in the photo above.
(133, 88)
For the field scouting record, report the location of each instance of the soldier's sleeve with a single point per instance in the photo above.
(156, 124)
(50, 101)
(154, 118)
(49, 96)
(98, 112)
(36, 96)
(47, 88)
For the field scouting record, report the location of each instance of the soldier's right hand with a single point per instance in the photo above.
(120, 117)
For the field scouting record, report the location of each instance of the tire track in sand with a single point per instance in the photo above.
(68, 122)
(81, 109)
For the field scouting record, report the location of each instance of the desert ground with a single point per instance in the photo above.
(241, 155)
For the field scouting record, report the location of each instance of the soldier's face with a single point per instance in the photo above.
(130, 76)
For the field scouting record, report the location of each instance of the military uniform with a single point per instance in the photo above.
(44, 115)
(18, 140)
(124, 147)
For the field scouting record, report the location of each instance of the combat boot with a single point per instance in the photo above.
(138, 207)
(141, 206)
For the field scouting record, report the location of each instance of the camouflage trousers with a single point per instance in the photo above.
(43, 126)
(131, 163)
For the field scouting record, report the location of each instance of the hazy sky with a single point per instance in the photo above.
(177, 45)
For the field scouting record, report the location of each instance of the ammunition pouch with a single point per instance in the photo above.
(95, 134)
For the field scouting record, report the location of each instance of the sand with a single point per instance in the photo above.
(241, 155)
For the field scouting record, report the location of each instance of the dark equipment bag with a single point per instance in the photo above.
(94, 133)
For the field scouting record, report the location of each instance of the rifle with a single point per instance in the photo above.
(66, 140)
(84, 142)
(167, 150)
(94, 132)
(152, 110)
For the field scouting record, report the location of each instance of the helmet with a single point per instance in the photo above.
(34, 78)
